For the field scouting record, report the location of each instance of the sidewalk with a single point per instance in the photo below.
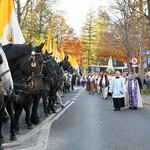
(146, 100)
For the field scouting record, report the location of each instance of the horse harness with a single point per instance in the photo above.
(33, 65)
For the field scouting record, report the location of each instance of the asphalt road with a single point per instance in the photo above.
(91, 124)
(87, 122)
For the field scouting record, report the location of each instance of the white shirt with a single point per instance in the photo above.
(117, 87)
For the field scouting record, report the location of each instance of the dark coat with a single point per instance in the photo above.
(140, 82)
(106, 80)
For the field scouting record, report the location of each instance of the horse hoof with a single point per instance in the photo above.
(54, 111)
(17, 131)
(46, 115)
(13, 138)
(49, 112)
(2, 139)
(30, 126)
(62, 106)
(1, 147)
(35, 122)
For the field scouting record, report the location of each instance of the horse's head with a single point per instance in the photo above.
(66, 65)
(49, 70)
(5, 73)
(31, 66)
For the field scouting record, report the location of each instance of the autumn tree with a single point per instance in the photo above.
(34, 17)
(22, 10)
(133, 28)
(111, 45)
(126, 24)
(101, 26)
(87, 38)
(60, 30)
(73, 46)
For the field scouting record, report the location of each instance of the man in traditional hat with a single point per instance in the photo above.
(104, 83)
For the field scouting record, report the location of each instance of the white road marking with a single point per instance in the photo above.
(43, 129)
(76, 96)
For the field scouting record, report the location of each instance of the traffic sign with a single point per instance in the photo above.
(134, 61)
(145, 65)
(134, 65)
(148, 61)
(144, 52)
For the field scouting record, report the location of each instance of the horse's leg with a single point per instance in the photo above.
(27, 108)
(51, 103)
(2, 139)
(18, 110)
(34, 116)
(6, 117)
(64, 88)
(72, 84)
(44, 97)
(9, 107)
(2, 108)
(48, 107)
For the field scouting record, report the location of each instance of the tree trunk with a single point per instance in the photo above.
(142, 57)
(18, 11)
(148, 4)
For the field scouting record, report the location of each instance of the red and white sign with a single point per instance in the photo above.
(134, 61)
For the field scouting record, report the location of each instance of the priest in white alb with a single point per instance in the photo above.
(118, 89)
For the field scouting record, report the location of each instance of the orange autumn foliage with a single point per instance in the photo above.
(72, 46)
(109, 45)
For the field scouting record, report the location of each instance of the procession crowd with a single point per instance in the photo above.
(124, 88)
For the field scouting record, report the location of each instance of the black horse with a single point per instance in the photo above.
(31, 84)
(50, 87)
(67, 67)
(21, 57)
(52, 80)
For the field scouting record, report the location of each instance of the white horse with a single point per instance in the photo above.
(5, 73)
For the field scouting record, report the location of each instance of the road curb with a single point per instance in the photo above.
(146, 103)
(42, 129)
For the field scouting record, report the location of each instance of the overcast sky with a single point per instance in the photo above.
(76, 10)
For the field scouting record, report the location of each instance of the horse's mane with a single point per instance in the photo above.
(11, 47)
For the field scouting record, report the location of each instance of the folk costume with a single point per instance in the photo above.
(98, 84)
(139, 81)
(118, 89)
(104, 83)
(91, 85)
(133, 96)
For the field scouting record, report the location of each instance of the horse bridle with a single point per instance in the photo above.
(54, 72)
(2, 74)
(68, 67)
(33, 64)
(20, 90)
(32, 57)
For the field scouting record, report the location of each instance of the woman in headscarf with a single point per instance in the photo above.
(91, 84)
